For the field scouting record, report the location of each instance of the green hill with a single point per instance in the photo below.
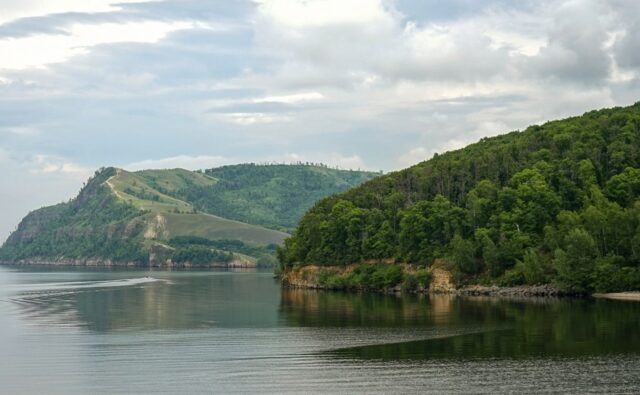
(554, 203)
(154, 215)
(273, 196)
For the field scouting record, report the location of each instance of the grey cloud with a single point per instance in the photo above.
(346, 54)
(236, 10)
(192, 10)
(249, 107)
(627, 49)
(575, 51)
(426, 11)
(59, 23)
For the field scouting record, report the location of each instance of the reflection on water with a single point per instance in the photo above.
(493, 328)
(158, 300)
(77, 331)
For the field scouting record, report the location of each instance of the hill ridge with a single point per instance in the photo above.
(122, 215)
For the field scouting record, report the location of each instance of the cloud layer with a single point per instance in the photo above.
(377, 84)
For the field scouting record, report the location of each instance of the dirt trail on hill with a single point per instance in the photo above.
(113, 189)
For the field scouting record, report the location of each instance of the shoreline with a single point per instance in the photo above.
(309, 277)
(517, 292)
(524, 291)
(106, 263)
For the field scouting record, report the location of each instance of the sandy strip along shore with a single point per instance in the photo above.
(620, 296)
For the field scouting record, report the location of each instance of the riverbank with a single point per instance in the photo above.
(438, 281)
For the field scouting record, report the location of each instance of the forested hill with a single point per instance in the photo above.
(557, 202)
(202, 216)
(274, 196)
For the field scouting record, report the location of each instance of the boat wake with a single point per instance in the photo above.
(59, 303)
(73, 285)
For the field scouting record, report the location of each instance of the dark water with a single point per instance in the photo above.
(68, 331)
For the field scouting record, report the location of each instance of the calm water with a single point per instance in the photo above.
(98, 331)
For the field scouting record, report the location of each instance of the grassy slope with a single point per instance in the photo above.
(138, 188)
(213, 227)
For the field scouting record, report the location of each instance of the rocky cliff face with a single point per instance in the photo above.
(35, 223)
(441, 283)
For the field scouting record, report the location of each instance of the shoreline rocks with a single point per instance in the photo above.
(523, 290)
(442, 283)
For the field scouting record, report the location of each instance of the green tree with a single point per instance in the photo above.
(576, 262)
(463, 255)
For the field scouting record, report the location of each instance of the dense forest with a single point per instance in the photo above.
(557, 203)
(273, 196)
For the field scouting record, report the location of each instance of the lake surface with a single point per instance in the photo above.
(65, 331)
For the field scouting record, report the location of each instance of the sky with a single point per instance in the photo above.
(369, 84)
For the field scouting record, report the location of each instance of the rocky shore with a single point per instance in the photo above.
(441, 283)
(522, 290)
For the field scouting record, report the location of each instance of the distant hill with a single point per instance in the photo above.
(273, 196)
(556, 203)
(231, 214)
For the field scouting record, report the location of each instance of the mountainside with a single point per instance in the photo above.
(188, 217)
(554, 203)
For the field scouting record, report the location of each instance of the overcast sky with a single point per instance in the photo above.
(370, 84)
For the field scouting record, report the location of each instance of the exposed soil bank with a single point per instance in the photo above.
(441, 283)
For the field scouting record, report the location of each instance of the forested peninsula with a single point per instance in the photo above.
(557, 204)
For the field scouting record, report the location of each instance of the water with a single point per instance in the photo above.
(65, 331)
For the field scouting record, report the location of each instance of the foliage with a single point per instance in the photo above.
(548, 204)
(265, 254)
(363, 277)
(374, 277)
(532, 269)
(200, 255)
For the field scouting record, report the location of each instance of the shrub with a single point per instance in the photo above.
(424, 277)
(410, 283)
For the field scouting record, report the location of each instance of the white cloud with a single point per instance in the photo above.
(345, 162)
(47, 164)
(313, 13)
(252, 118)
(291, 99)
(22, 131)
(413, 156)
